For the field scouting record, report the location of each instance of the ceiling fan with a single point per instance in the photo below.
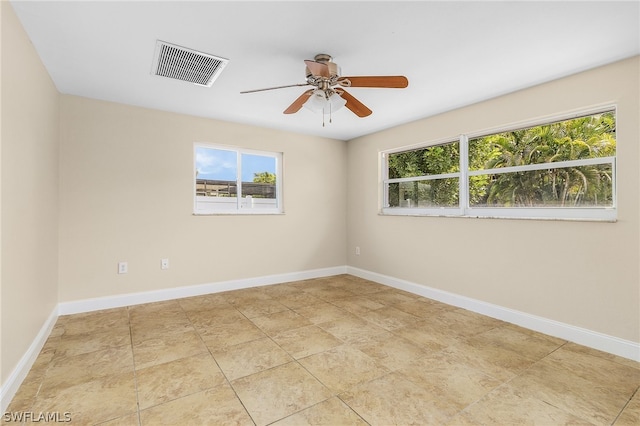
(329, 94)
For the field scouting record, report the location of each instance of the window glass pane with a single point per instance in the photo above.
(434, 193)
(581, 186)
(216, 172)
(431, 160)
(576, 139)
(258, 176)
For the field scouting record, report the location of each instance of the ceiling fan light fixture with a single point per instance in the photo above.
(325, 102)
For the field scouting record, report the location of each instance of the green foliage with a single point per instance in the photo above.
(264, 177)
(433, 160)
(580, 138)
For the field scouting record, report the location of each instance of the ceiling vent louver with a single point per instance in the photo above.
(185, 64)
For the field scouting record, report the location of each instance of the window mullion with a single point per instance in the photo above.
(239, 180)
(385, 180)
(464, 175)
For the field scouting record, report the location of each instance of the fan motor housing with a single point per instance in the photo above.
(334, 69)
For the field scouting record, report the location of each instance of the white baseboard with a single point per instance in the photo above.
(19, 373)
(582, 336)
(118, 301)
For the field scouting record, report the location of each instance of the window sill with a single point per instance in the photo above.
(608, 216)
(236, 213)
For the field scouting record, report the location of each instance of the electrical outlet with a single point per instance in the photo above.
(164, 264)
(123, 268)
(357, 250)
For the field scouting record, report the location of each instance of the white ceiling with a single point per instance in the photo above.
(453, 53)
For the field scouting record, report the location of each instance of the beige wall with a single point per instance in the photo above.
(126, 185)
(86, 184)
(584, 274)
(29, 193)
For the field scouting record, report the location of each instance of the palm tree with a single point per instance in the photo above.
(581, 138)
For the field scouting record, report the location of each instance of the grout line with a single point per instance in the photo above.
(219, 367)
(625, 405)
(135, 376)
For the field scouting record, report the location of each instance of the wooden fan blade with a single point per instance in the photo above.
(355, 105)
(389, 81)
(318, 69)
(297, 104)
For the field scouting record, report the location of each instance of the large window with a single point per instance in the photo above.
(231, 180)
(561, 169)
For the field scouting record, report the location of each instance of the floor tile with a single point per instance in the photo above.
(332, 412)
(128, 420)
(304, 341)
(203, 303)
(328, 293)
(252, 308)
(458, 383)
(357, 304)
(571, 393)
(220, 337)
(159, 324)
(394, 400)
(494, 361)
(253, 294)
(573, 347)
(215, 406)
(25, 396)
(165, 382)
(65, 372)
(92, 402)
(361, 286)
(279, 392)
(277, 291)
(428, 335)
(251, 357)
(343, 367)
(508, 406)
(391, 296)
(108, 319)
(169, 348)
(332, 350)
(280, 321)
(390, 351)
(145, 311)
(389, 318)
(630, 415)
(423, 308)
(526, 344)
(605, 372)
(76, 344)
(298, 300)
(461, 323)
(321, 312)
(212, 318)
(352, 329)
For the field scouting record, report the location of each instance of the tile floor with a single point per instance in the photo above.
(331, 351)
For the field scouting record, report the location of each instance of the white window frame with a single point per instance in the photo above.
(608, 214)
(431, 211)
(238, 205)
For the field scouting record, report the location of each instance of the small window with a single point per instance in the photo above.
(237, 181)
(560, 169)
